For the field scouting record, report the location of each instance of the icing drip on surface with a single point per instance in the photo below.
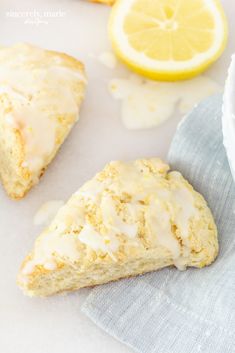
(146, 104)
(108, 59)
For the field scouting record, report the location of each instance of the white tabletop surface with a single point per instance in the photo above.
(56, 325)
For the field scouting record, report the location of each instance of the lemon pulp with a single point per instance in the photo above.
(168, 39)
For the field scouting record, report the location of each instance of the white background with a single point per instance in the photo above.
(56, 325)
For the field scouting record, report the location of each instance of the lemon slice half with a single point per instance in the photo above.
(168, 39)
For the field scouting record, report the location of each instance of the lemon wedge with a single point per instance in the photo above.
(168, 39)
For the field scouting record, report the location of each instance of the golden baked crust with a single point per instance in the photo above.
(40, 95)
(131, 218)
(105, 2)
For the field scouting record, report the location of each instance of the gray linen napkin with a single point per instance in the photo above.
(169, 311)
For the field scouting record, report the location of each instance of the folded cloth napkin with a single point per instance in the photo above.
(169, 311)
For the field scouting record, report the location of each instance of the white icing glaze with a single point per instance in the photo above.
(158, 220)
(146, 104)
(94, 240)
(64, 245)
(183, 200)
(180, 263)
(135, 179)
(64, 72)
(50, 265)
(170, 204)
(12, 92)
(47, 211)
(91, 190)
(112, 221)
(108, 59)
(72, 217)
(28, 267)
(38, 132)
(177, 206)
(50, 244)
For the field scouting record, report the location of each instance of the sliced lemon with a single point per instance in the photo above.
(168, 39)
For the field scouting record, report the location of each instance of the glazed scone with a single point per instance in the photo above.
(40, 95)
(129, 219)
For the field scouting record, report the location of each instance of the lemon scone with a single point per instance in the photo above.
(129, 219)
(40, 95)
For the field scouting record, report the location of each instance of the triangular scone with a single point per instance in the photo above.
(129, 219)
(40, 95)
